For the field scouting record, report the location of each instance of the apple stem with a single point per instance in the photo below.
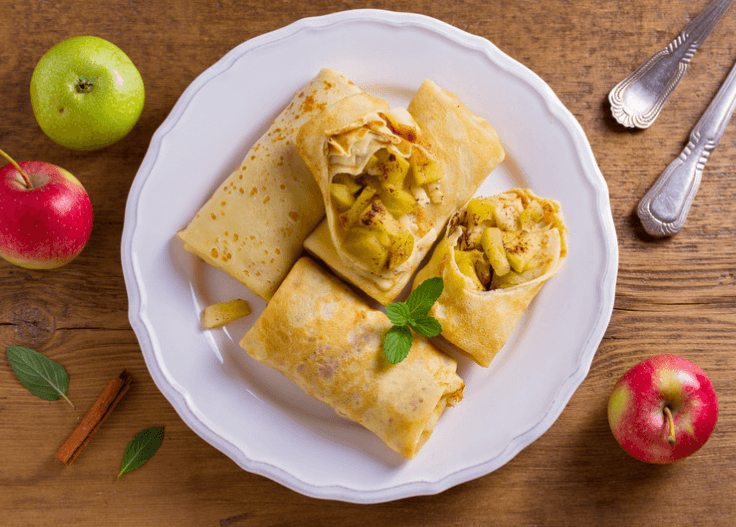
(671, 435)
(26, 179)
(85, 85)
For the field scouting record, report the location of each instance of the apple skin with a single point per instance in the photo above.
(636, 409)
(86, 116)
(46, 226)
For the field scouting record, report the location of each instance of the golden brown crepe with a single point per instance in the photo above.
(487, 289)
(445, 151)
(323, 337)
(254, 225)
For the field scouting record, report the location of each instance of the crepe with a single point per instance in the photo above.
(254, 225)
(479, 308)
(363, 145)
(325, 339)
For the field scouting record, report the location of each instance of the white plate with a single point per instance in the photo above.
(258, 418)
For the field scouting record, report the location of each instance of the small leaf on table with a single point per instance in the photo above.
(44, 377)
(141, 448)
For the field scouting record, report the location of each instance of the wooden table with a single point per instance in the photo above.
(674, 295)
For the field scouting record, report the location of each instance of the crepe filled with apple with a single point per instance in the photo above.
(390, 178)
(496, 254)
(323, 337)
(254, 225)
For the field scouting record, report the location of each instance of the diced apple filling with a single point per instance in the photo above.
(502, 242)
(376, 238)
(369, 205)
(492, 244)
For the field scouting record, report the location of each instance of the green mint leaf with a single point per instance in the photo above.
(420, 301)
(397, 343)
(398, 313)
(141, 448)
(426, 326)
(44, 377)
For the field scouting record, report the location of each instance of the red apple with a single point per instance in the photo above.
(663, 409)
(45, 214)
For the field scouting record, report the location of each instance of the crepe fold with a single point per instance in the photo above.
(317, 332)
(479, 318)
(254, 225)
(454, 148)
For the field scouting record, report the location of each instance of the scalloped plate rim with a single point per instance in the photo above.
(145, 331)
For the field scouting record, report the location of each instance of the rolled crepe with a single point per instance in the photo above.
(325, 339)
(479, 308)
(254, 225)
(438, 136)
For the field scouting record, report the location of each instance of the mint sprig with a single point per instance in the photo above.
(414, 314)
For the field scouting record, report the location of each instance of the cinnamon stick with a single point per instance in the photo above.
(96, 415)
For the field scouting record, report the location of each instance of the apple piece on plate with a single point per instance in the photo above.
(222, 313)
(86, 93)
(663, 409)
(45, 214)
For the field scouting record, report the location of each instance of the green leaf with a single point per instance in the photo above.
(141, 448)
(398, 313)
(397, 340)
(422, 299)
(44, 377)
(426, 326)
(397, 343)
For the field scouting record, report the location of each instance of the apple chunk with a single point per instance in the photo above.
(222, 313)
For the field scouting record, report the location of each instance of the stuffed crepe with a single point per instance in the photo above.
(495, 256)
(390, 178)
(254, 225)
(324, 338)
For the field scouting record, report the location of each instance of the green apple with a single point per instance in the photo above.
(86, 93)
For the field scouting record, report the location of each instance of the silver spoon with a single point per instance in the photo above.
(664, 208)
(637, 100)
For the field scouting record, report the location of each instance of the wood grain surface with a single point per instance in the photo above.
(674, 295)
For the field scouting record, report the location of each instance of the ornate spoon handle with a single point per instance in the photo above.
(637, 100)
(664, 208)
